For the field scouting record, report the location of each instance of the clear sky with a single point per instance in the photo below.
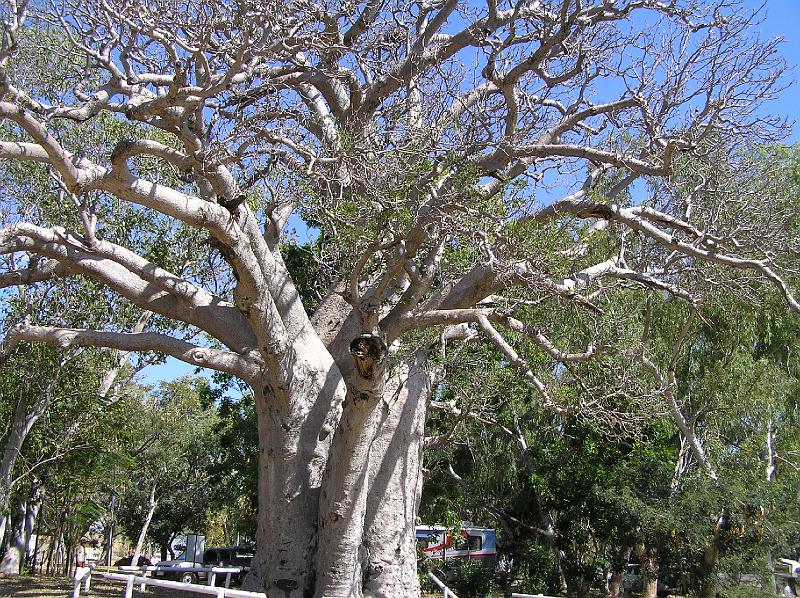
(782, 20)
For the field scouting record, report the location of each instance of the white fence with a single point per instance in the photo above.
(448, 593)
(177, 571)
(131, 579)
(531, 596)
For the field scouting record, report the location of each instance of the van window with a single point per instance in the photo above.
(211, 556)
(470, 543)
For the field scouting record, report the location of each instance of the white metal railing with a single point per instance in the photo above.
(531, 596)
(212, 571)
(131, 579)
(448, 593)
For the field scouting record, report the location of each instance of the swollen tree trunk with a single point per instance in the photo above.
(151, 509)
(618, 565)
(395, 481)
(296, 417)
(343, 501)
(648, 558)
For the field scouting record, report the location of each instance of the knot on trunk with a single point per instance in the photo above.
(369, 351)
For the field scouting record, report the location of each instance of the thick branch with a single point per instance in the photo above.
(223, 361)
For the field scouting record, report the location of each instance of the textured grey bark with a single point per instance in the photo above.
(3, 522)
(344, 491)
(295, 422)
(395, 483)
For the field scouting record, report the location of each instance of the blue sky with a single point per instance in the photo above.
(782, 19)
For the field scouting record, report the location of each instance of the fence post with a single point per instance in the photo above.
(448, 593)
(129, 587)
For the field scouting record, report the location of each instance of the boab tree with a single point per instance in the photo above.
(415, 137)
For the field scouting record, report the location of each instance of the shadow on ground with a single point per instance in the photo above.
(36, 586)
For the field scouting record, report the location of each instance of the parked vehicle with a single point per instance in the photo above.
(436, 542)
(787, 568)
(633, 581)
(225, 556)
(126, 561)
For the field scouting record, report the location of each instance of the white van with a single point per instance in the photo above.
(436, 542)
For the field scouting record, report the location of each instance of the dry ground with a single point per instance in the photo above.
(35, 586)
(30, 586)
(40, 586)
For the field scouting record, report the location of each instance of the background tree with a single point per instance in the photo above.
(171, 454)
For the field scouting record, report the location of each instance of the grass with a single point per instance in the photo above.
(41, 586)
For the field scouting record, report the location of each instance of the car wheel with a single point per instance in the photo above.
(188, 578)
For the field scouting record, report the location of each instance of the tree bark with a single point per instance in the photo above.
(151, 509)
(395, 486)
(12, 559)
(20, 426)
(614, 589)
(615, 584)
(3, 525)
(296, 417)
(711, 553)
(648, 559)
(344, 492)
(31, 516)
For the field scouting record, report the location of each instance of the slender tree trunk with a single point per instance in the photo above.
(546, 520)
(3, 524)
(31, 516)
(12, 559)
(152, 503)
(711, 555)
(27, 413)
(396, 486)
(36, 561)
(20, 426)
(58, 540)
(771, 469)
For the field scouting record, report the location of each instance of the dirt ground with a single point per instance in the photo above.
(29, 586)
